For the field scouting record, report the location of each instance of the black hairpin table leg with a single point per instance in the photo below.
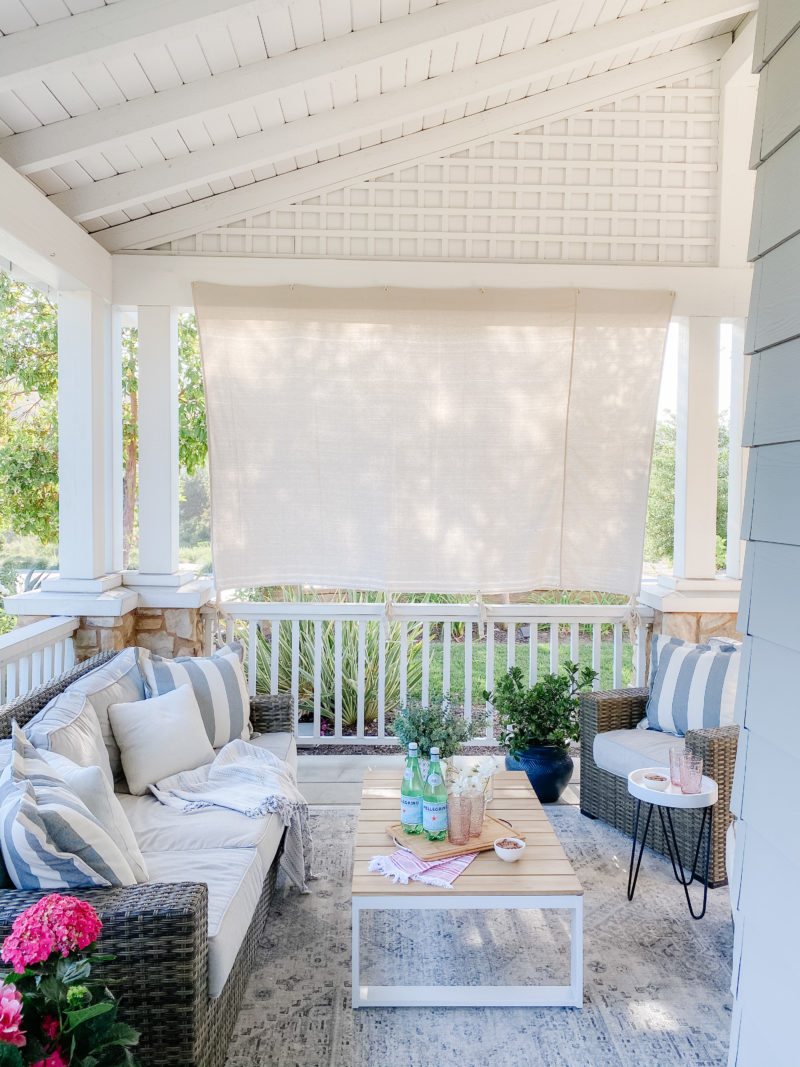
(633, 874)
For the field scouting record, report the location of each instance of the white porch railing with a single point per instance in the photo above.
(34, 654)
(337, 655)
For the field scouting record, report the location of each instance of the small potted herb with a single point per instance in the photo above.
(537, 724)
(437, 725)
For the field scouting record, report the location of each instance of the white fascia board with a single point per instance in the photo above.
(47, 146)
(448, 137)
(149, 278)
(68, 44)
(371, 115)
(46, 244)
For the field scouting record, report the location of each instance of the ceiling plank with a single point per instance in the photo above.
(449, 137)
(377, 113)
(50, 145)
(69, 44)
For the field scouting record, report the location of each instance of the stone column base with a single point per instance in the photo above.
(166, 631)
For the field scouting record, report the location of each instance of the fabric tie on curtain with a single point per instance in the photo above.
(430, 440)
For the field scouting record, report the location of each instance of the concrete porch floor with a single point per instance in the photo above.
(337, 779)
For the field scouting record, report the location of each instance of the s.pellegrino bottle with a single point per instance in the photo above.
(434, 801)
(411, 794)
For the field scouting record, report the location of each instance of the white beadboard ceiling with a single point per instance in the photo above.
(250, 127)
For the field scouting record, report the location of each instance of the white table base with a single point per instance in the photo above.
(515, 996)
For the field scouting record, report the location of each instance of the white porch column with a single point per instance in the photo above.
(158, 441)
(696, 450)
(84, 345)
(737, 459)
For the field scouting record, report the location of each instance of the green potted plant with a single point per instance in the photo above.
(537, 724)
(436, 725)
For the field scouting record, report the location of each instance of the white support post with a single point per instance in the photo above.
(113, 449)
(84, 338)
(158, 441)
(696, 450)
(737, 458)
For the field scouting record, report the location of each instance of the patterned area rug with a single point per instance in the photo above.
(656, 981)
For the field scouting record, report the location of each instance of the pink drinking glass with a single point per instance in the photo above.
(691, 773)
(675, 754)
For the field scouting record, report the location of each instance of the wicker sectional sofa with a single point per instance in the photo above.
(604, 792)
(160, 931)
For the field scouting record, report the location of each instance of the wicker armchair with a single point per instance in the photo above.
(159, 933)
(605, 796)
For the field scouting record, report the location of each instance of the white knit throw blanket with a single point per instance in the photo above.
(254, 782)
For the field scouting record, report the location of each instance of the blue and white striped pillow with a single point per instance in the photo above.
(49, 838)
(691, 686)
(219, 687)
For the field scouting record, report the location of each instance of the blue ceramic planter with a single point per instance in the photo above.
(548, 768)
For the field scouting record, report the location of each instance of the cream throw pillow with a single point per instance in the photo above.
(159, 737)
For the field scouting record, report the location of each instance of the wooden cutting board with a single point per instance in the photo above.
(430, 851)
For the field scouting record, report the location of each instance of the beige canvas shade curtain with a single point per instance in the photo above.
(447, 441)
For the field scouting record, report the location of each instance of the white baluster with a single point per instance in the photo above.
(337, 677)
(446, 650)
(511, 647)
(426, 663)
(468, 671)
(617, 655)
(533, 654)
(382, 626)
(296, 670)
(275, 651)
(362, 662)
(596, 654)
(554, 648)
(403, 663)
(252, 657)
(317, 677)
(574, 643)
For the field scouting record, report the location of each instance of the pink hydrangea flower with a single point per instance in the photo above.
(50, 1027)
(55, 1059)
(53, 924)
(11, 1017)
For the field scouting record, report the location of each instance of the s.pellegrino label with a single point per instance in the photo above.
(411, 794)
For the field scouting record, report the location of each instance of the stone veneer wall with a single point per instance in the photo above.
(165, 631)
(696, 626)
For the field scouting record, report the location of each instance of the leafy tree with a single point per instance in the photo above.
(29, 412)
(659, 534)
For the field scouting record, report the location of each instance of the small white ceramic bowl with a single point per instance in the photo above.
(656, 780)
(510, 855)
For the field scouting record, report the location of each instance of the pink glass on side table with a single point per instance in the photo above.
(691, 773)
(675, 755)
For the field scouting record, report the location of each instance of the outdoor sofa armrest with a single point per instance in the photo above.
(272, 714)
(716, 746)
(159, 936)
(615, 709)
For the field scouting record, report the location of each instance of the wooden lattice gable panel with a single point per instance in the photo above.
(632, 181)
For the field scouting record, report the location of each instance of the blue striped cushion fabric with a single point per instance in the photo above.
(219, 686)
(691, 686)
(49, 838)
(69, 725)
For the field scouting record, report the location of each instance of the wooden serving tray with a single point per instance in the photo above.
(430, 851)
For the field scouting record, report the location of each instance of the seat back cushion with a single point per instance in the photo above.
(69, 725)
(219, 686)
(49, 837)
(159, 737)
(118, 681)
(692, 686)
(92, 786)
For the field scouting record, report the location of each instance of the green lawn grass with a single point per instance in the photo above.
(522, 660)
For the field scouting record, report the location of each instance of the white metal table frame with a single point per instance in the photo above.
(456, 996)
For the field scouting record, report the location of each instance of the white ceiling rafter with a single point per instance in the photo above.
(93, 36)
(49, 145)
(374, 114)
(589, 92)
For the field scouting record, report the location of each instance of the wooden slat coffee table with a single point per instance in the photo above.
(542, 878)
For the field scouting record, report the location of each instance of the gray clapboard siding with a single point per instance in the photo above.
(773, 694)
(771, 591)
(774, 304)
(776, 207)
(772, 502)
(777, 21)
(773, 401)
(778, 111)
(770, 798)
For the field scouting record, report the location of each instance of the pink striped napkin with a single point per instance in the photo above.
(403, 864)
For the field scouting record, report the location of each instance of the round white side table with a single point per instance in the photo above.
(664, 801)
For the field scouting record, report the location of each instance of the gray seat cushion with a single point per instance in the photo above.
(235, 878)
(623, 751)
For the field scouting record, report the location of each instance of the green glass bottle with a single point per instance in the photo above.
(434, 801)
(411, 794)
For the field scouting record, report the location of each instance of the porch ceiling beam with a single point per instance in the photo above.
(94, 36)
(41, 241)
(448, 137)
(374, 114)
(47, 146)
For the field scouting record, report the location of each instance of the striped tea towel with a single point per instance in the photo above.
(403, 864)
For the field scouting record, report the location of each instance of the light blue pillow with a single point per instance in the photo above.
(691, 686)
(49, 838)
